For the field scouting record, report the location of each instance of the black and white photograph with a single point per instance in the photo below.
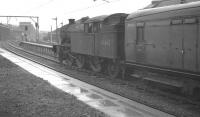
(100, 58)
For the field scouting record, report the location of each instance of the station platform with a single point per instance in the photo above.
(111, 104)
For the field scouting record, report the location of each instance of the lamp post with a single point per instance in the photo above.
(37, 29)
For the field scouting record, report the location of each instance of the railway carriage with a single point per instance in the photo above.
(166, 39)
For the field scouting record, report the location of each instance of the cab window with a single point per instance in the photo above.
(96, 27)
(92, 27)
(88, 28)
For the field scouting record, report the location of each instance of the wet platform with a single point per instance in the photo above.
(111, 104)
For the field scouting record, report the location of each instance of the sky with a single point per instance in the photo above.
(65, 9)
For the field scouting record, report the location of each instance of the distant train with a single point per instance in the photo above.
(164, 38)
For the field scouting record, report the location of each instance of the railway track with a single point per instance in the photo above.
(118, 103)
(11, 45)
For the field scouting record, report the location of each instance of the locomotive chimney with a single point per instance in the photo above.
(71, 21)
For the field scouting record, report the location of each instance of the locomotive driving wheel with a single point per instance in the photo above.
(95, 64)
(80, 61)
(113, 69)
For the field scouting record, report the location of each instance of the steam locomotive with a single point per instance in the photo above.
(164, 38)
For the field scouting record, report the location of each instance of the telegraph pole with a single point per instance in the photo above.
(51, 36)
(56, 29)
(37, 29)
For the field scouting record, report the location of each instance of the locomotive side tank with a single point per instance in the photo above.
(165, 37)
(100, 41)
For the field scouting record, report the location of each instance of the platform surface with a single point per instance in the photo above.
(111, 104)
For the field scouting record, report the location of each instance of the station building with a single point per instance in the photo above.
(28, 31)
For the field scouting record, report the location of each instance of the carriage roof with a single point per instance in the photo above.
(187, 9)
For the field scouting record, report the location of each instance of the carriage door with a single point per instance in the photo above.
(176, 44)
(190, 34)
(140, 47)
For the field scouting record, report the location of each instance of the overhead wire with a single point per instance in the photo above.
(40, 6)
(89, 7)
(78, 10)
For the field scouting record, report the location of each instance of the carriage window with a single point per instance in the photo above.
(88, 28)
(140, 35)
(190, 21)
(176, 22)
(140, 32)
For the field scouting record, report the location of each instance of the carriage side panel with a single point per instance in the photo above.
(157, 35)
